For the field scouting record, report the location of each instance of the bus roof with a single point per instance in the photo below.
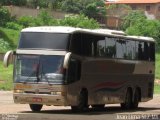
(64, 29)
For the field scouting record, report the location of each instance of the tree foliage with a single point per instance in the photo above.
(144, 27)
(13, 2)
(45, 19)
(79, 21)
(5, 16)
(4, 45)
(132, 18)
(38, 3)
(91, 8)
(136, 23)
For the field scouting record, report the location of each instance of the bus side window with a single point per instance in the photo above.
(76, 44)
(130, 50)
(110, 49)
(121, 49)
(140, 50)
(152, 51)
(101, 48)
(88, 45)
(146, 51)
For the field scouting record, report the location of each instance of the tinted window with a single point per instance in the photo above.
(110, 50)
(101, 47)
(121, 49)
(140, 50)
(146, 51)
(152, 51)
(44, 40)
(76, 44)
(88, 44)
(130, 50)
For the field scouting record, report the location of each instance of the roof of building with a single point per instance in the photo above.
(63, 29)
(133, 2)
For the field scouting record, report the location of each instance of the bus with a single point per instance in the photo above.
(82, 68)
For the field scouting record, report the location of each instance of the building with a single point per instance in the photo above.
(151, 8)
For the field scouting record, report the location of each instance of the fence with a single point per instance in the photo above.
(23, 11)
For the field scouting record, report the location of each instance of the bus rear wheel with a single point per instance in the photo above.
(35, 107)
(128, 101)
(136, 99)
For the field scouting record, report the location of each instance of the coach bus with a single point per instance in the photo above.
(66, 66)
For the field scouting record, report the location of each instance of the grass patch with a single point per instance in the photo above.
(9, 35)
(156, 89)
(158, 65)
(6, 75)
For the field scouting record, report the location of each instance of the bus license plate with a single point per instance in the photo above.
(37, 99)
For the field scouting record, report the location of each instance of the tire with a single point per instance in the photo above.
(136, 100)
(35, 107)
(128, 101)
(99, 107)
(74, 108)
(82, 103)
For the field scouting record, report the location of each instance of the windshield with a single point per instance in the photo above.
(35, 40)
(43, 68)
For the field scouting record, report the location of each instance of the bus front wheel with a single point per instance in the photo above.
(35, 107)
(128, 101)
(99, 107)
(82, 102)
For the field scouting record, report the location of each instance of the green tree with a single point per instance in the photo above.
(90, 8)
(55, 4)
(38, 3)
(132, 18)
(95, 8)
(26, 21)
(13, 2)
(144, 27)
(5, 16)
(79, 21)
(136, 23)
(44, 18)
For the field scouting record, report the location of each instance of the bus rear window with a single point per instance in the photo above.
(36, 40)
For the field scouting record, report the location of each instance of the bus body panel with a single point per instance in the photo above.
(107, 80)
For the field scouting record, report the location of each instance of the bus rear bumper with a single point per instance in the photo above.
(45, 99)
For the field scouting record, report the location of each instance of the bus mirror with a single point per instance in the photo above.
(66, 60)
(8, 57)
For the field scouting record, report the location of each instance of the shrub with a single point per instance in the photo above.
(79, 21)
(4, 45)
(26, 21)
(14, 26)
(13, 2)
(5, 16)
